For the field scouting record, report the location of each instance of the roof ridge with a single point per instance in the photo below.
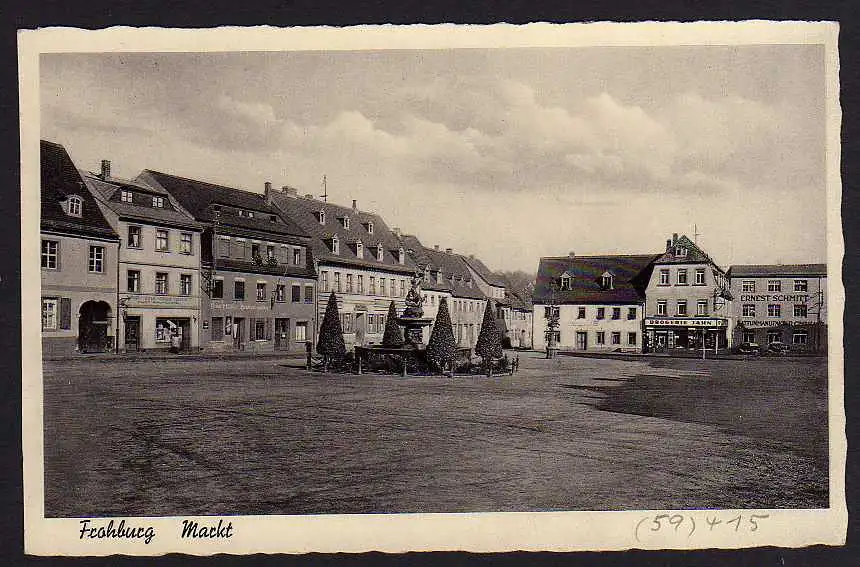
(204, 182)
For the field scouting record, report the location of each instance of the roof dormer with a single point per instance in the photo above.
(73, 206)
(680, 251)
(335, 244)
(320, 215)
(344, 222)
(369, 227)
(359, 249)
(566, 282)
(401, 255)
(380, 252)
(607, 280)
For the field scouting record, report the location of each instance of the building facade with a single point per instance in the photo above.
(781, 303)
(600, 302)
(357, 257)
(257, 275)
(159, 264)
(688, 300)
(78, 252)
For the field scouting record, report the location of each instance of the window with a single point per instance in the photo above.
(75, 206)
(324, 279)
(391, 284)
(217, 328)
(158, 202)
(301, 331)
(631, 339)
(682, 308)
(360, 284)
(97, 259)
(616, 313)
(369, 228)
(337, 282)
(297, 256)
(218, 289)
(799, 310)
(774, 310)
(261, 291)
(297, 293)
(682, 277)
(224, 248)
(239, 248)
(631, 313)
(606, 281)
(133, 281)
(309, 293)
(270, 251)
(680, 251)
(349, 283)
(259, 329)
(126, 196)
(601, 312)
(381, 286)
(774, 285)
(372, 285)
(748, 310)
(239, 290)
(748, 336)
(185, 284)
(50, 255)
(565, 282)
(346, 322)
(335, 245)
(661, 307)
(546, 311)
(49, 313)
(664, 277)
(162, 331)
(700, 276)
(161, 240)
(600, 338)
(616, 338)
(701, 307)
(799, 337)
(185, 243)
(280, 292)
(134, 237)
(748, 285)
(321, 217)
(161, 283)
(401, 256)
(580, 313)
(255, 251)
(402, 288)
(345, 222)
(774, 337)
(801, 285)
(379, 253)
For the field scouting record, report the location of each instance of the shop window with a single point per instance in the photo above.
(162, 331)
(217, 328)
(631, 313)
(774, 337)
(748, 336)
(218, 289)
(748, 310)
(301, 332)
(661, 307)
(239, 290)
(801, 285)
(49, 313)
(774, 310)
(631, 339)
(616, 338)
(97, 259)
(162, 243)
(133, 281)
(799, 337)
(580, 313)
(161, 283)
(297, 293)
(748, 286)
(185, 242)
(260, 329)
(134, 236)
(50, 254)
(774, 285)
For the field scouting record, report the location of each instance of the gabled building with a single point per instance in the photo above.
(357, 256)
(784, 303)
(159, 263)
(257, 267)
(600, 301)
(490, 284)
(78, 260)
(688, 300)
(445, 273)
(517, 317)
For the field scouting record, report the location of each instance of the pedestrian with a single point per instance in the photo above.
(515, 365)
(308, 353)
(175, 342)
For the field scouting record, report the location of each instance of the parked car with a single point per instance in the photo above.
(749, 348)
(775, 349)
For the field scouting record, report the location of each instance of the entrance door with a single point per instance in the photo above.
(282, 334)
(239, 333)
(581, 340)
(132, 334)
(184, 333)
(93, 326)
(661, 340)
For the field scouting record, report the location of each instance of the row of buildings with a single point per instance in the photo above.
(678, 299)
(129, 263)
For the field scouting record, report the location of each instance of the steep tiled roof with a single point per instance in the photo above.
(455, 275)
(484, 271)
(106, 191)
(695, 255)
(777, 270)
(200, 198)
(303, 211)
(630, 272)
(59, 179)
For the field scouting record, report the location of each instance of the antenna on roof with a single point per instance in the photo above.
(696, 234)
(325, 191)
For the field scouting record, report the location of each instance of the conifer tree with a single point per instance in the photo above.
(393, 337)
(489, 345)
(441, 348)
(330, 344)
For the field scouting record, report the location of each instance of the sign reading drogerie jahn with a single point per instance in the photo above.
(657, 321)
(191, 529)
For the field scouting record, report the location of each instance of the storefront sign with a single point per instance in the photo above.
(161, 301)
(240, 306)
(796, 298)
(761, 324)
(656, 322)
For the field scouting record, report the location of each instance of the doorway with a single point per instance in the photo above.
(581, 340)
(132, 334)
(360, 328)
(282, 333)
(94, 320)
(239, 333)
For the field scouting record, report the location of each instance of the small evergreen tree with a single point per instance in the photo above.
(330, 344)
(441, 348)
(393, 337)
(489, 345)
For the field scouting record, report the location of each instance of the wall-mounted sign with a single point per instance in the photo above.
(795, 297)
(660, 322)
(763, 323)
(147, 300)
(205, 324)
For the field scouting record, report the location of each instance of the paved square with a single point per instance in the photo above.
(183, 437)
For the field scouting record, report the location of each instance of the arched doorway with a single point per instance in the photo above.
(94, 320)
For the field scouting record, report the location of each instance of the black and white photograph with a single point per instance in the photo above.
(444, 288)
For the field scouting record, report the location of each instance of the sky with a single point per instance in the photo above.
(509, 154)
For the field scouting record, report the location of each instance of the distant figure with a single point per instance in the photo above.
(515, 365)
(175, 342)
(308, 353)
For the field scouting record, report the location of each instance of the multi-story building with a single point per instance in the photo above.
(159, 263)
(447, 274)
(784, 303)
(257, 267)
(78, 259)
(518, 320)
(688, 300)
(357, 257)
(600, 301)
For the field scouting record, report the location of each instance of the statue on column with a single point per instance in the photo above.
(414, 301)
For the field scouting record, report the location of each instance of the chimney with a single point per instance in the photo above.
(674, 237)
(105, 169)
(436, 247)
(448, 250)
(396, 231)
(268, 192)
(354, 205)
(571, 254)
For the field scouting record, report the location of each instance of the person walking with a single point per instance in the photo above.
(175, 342)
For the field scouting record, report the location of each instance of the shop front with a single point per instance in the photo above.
(800, 336)
(665, 334)
(149, 321)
